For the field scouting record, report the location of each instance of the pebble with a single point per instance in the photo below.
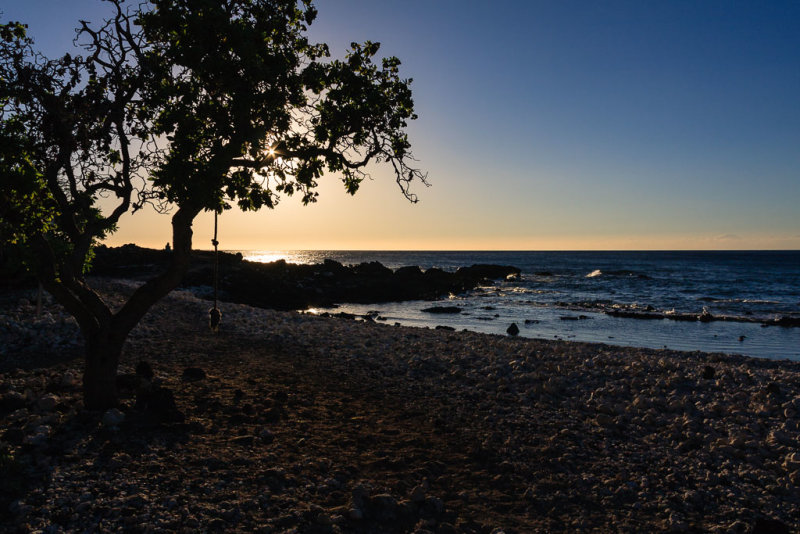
(112, 418)
(418, 494)
(47, 403)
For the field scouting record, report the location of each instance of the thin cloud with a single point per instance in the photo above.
(728, 237)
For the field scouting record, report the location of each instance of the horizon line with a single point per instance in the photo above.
(489, 250)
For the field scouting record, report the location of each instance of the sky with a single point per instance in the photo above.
(558, 125)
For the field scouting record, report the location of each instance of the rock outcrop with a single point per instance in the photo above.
(282, 285)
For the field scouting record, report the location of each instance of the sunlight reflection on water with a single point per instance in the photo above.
(268, 256)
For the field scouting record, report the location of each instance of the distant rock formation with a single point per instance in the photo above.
(282, 285)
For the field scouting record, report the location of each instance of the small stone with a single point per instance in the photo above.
(11, 401)
(144, 370)
(217, 525)
(767, 525)
(47, 403)
(266, 436)
(83, 507)
(738, 527)
(14, 436)
(677, 524)
(604, 420)
(193, 374)
(512, 330)
(792, 461)
(433, 506)
(113, 418)
(135, 501)
(39, 436)
(383, 507)
(418, 494)
(159, 404)
(69, 380)
(245, 441)
(355, 514)
(19, 508)
(708, 372)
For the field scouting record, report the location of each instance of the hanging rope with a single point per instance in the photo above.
(214, 314)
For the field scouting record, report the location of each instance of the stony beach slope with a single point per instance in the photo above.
(295, 423)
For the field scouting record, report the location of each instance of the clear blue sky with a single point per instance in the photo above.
(553, 125)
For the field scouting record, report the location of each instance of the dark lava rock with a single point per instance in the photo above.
(382, 507)
(708, 372)
(411, 271)
(144, 370)
(767, 525)
(245, 441)
(491, 272)
(372, 268)
(643, 315)
(286, 286)
(442, 309)
(11, 402)
(14, 436)
(158, 404)
(193, 374)
(443, 327)
(513, 330)
(783, 321)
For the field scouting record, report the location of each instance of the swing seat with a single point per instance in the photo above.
(214, 318)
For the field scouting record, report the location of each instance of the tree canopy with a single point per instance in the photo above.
(187, 105)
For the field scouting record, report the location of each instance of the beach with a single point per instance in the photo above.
(298, 423)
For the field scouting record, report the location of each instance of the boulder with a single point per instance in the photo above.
(442, 309)
(491, 272)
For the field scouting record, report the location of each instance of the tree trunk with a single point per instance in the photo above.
(104, 345)
(103, 351)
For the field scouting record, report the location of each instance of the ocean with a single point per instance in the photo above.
(566, 295)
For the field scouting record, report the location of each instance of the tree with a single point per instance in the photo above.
(195, 104)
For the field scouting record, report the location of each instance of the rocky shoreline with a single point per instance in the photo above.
(286, 422)
(286, 286)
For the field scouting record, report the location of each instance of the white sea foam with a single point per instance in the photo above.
(593, 274)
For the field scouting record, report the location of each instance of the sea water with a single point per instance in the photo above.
(564, 295)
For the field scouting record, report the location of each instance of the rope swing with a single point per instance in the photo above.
(214, 314)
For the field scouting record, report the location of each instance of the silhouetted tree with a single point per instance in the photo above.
(187, 104)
